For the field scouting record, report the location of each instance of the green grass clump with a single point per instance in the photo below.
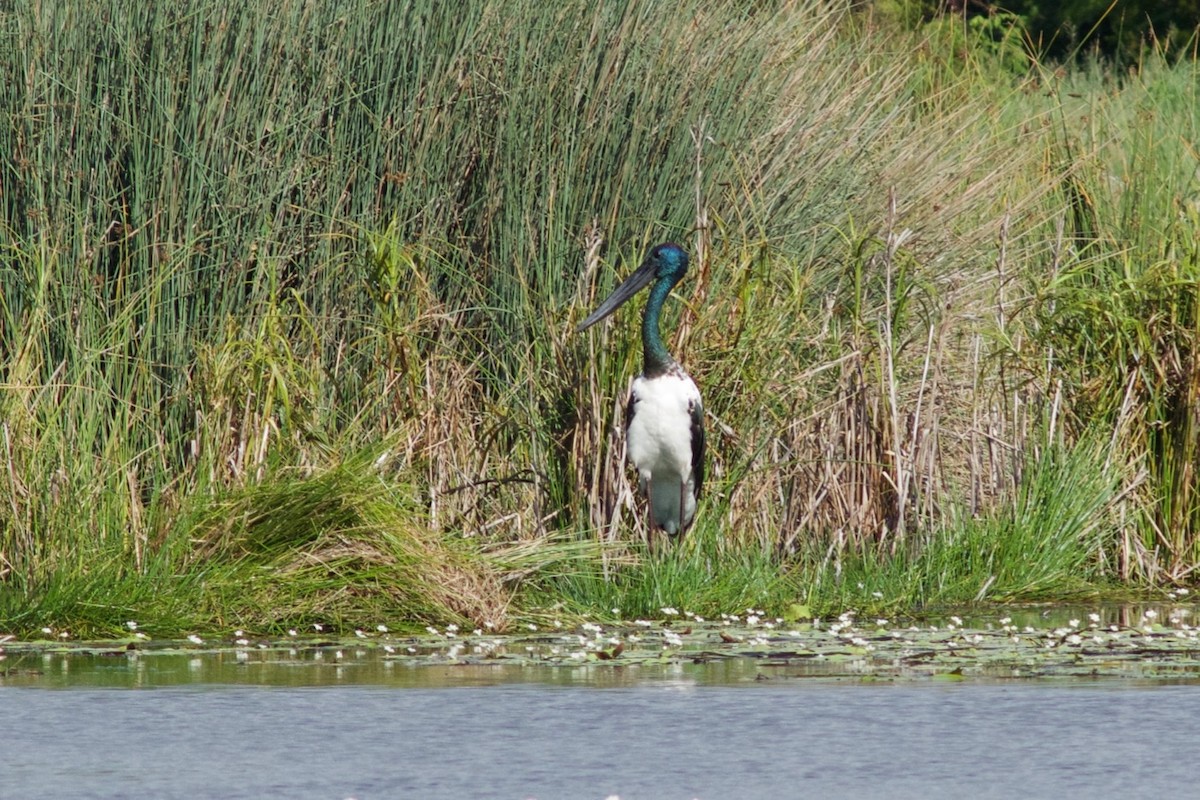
(703, 575)
(341, 547)
(99, 599)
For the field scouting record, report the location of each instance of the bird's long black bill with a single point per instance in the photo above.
(631, 286)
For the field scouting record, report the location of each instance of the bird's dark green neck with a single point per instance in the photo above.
(657, 359)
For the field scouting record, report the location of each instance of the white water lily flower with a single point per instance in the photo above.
(194, 639)
(381, 628)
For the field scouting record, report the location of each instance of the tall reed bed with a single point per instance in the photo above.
(1116, 304)
(244, 245)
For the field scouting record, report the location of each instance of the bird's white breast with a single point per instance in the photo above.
(660, 432)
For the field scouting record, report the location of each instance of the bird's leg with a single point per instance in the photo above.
(649, 527)
(682, 502)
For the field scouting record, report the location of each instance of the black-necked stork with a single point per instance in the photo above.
(664, 420)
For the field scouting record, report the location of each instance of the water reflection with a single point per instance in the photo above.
(313, 667)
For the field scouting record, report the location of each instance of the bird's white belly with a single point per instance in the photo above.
(660, 446)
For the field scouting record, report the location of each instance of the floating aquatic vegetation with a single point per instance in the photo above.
(1151, 643)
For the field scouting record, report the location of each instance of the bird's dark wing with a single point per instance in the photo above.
(697, 413)
(630, 409)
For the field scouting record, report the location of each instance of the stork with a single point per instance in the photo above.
(664, 421)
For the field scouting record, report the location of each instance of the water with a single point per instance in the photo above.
(1086, 703)
(679, 731)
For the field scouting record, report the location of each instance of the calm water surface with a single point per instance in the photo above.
(676, 732)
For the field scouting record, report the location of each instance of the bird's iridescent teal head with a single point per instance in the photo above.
(670, 262)
(664, 265)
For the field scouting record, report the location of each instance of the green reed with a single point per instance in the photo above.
(241, 247)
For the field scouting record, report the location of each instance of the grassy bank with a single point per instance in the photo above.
(287, 299)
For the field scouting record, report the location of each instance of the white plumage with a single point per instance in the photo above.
(662, 414)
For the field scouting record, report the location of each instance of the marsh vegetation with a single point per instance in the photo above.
(288, 293)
